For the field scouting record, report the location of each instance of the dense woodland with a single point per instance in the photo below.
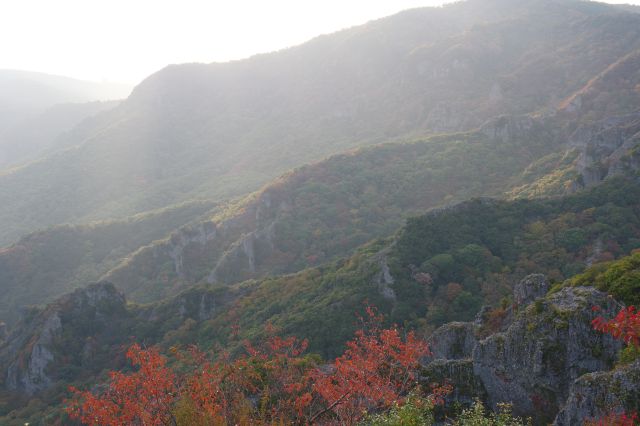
(283, 239)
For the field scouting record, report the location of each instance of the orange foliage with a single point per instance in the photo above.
(271, 383)
(143, 397)
(377, 369)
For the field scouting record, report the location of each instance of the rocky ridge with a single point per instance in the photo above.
(84, 332)
(545, 359)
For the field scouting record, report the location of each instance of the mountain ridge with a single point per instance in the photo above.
(219, 131)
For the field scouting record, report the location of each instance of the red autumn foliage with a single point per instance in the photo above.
(625, 326)
(143, 397)
(377, 369)
(615, 420)
(270, 383)
(274, 375)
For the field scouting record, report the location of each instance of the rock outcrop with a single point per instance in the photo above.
(533, 362)
(453, 341)
(529, 289)
(594, 395)
(30, 351)
(607, 148)
(548, 346)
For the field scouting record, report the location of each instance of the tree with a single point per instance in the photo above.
(376, 371)
(269, 383)
(144, 397)
(625, 326)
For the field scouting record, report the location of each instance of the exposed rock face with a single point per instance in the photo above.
(84, 332)
(532, 363)
(200, 234)
(33, 377)
(511, 127)
(459, 373)
(453, 341)
(384, 280)
(607, 148)
(84, 313)
(546, 348)
(529, 289)
(228, 249)
(596, 394)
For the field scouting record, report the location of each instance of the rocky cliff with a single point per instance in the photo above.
(546, 360)
(69, 328)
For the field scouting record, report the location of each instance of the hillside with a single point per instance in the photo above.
(461, 265)
(323, 211)
(44, 265)
(25, 94)
(443, 266)
(310, 216)
(222, 130)
(471, 171)
(36, 135)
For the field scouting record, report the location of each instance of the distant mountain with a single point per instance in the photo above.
(44, 265)
(222, 130)
(38, 134)
(23, 93)
(36, 108)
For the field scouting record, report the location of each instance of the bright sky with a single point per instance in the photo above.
(126, 40)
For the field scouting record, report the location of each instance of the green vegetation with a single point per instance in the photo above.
(47, 264)
(309, 250)
(476, 243)
(620, 278)
(444, 266)
(419, 412)
(217, 131)
(322, 212)
(472, 253)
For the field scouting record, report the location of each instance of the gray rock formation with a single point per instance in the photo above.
(33, 377)
(28, 365)
(453, 341)
(594, 395)
(529, 289)
(532, 363)
(607, 148)
(548, 346)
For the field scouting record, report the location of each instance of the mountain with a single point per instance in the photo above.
(323, 211)
(25, 93)
(427, 163)
(36, 135)
(223, 130)
(44, 265)
(474, 253)
(36, 108)
(310, 216)
(444, 265)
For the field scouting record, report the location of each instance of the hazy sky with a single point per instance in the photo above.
(126, 40)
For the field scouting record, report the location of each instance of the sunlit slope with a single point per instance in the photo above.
(219, 130)
(37, 135)
(442, 266)
(46, 264)
(323, 211)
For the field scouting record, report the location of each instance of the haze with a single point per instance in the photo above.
(124, 41)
